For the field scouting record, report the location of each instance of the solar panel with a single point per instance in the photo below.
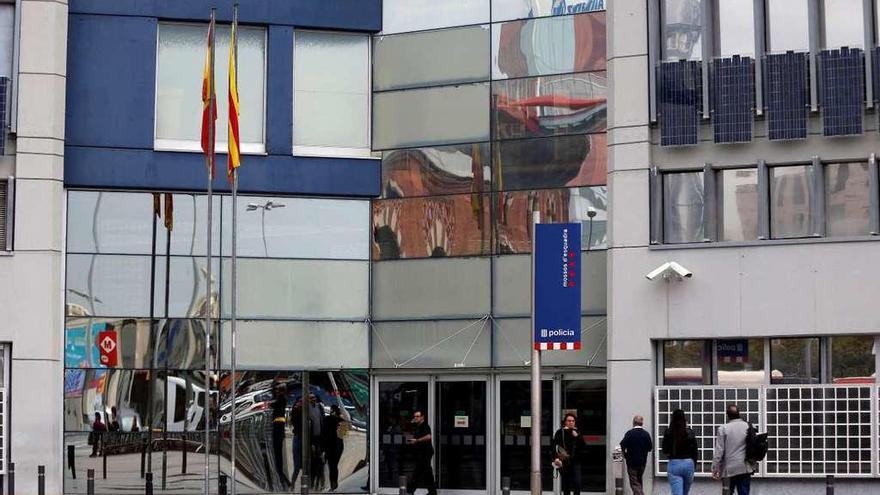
(4, 121)
(843, 91)
(732, 85)
(679, 102)
(788, 95)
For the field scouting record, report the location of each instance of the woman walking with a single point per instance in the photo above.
(568, 447)
(680, 446)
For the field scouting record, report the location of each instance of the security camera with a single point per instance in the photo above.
(668, 270)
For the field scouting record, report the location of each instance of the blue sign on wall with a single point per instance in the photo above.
(557, 286)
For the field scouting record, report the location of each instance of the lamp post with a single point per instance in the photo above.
(268, 205)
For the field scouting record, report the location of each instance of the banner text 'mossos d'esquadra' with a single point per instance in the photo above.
(557, 286)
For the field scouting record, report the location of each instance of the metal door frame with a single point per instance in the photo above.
(587, 376)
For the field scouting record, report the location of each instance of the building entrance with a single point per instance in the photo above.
(481, 429)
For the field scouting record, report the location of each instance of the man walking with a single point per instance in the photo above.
(635, 445)
(729, 459)
(423, 451)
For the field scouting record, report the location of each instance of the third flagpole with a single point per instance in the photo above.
(209, 307)
(232, 139)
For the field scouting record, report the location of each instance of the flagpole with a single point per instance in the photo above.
(209, 296)
(233, 308)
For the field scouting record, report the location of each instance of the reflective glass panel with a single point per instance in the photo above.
(288, 344)
(513, 215)
(175, 343)
(794, 361)
(505, 10)
(790, 201)
(431, 287)
(515, 426)
(418, 117)
(299, 289)
(852, 359)
(121, 223)
(184, 393)
(788, 26)
(686, 362)
(90, 391)
(457, 169)
(735, 28)
(843, 23)
(562, 161)
(513, 337)
(461, 434)
(550, 45)
(738, 196)
(185, 287)
(682, 29)
(847, 199)
(512, 286)
(397, 403)
(108, 285)
(181, 60)
(549, 105)
(430, 58)
(434, 227)
(683, 207)
(587, 400)
(272, 227)
(331, 106)
(416, 15)
(432, 344)
(740, 361)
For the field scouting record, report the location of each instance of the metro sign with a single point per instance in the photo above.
(107, 346)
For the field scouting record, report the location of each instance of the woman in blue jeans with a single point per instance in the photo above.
(680, 446)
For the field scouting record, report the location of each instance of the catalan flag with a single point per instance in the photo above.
(209, 103)
(233, 138)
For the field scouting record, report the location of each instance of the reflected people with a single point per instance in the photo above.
(279, 407)
(333, 432)
(316, 422)
(97, 434)
(295, 420)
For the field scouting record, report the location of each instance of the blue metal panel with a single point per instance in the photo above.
(147, 169)
(279, 86)
(732, 85)
(354, 15)
(111, 72)
(843, 91)
(788, 95)
(679, 101)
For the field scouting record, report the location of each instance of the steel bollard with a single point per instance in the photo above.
(148, 486)
(41, 480)
(402, 482)
(143, 461)
(829, 484)
(725, 486)
(617, 470)
(90, 482)
(221, 485)
(71, 460)
(104, 460)
(304, 481)
(505, 485)
(11, 473)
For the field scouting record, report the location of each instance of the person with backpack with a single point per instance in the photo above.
(680, 446)
(730, 459)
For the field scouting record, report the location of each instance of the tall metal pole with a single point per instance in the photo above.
(209, 297)
(536, 380)
(234, 259)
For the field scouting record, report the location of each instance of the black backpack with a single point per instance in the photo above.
(757, 444)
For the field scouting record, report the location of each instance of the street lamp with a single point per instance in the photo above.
(268, 205)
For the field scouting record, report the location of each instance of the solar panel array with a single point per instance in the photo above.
(732, 86)
(4, 105)
(788, 95)
(679, 102)
(843, 91)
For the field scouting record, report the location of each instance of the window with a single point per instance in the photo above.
(682, 29)
(686, 362)
(400, 16)
(847, 199)
(734, 27)
(794, 361)
(683, 207)
(788, 26)
(740, 361)
(5, 216)
(853, 359)
(842, 24)
(331, 104)
(181, 60)
(791, 201)
(738, 197)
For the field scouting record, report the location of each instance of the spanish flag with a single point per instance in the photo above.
(209, 103)
(233, 138)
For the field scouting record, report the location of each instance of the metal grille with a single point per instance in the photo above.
(819, 430)
(843, 91)
(787, 95)
(732, 85)
(3, 201)
(705, 409)
(679, 100)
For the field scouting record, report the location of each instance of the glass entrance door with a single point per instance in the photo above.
(397, 401)
(586, 399)
(514, 433)
(460, 434)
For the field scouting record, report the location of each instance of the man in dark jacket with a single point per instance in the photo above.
(423, 451)
(636, 444)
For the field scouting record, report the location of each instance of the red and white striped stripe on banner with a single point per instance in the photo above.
(558, 346)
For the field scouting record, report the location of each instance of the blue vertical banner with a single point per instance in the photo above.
(557, 286)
